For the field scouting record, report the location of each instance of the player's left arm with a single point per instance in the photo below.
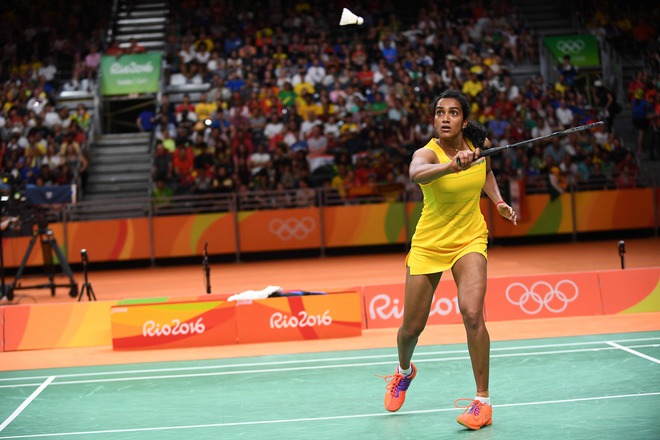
(493, 192)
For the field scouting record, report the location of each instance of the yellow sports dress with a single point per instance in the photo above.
(451, 224)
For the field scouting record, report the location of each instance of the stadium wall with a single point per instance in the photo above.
(213, 320)
(325, 227)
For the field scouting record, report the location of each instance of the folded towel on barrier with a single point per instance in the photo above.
(255, 294)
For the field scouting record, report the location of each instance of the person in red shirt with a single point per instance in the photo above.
(366, 76)
(115, 49)
(505, 106)
(183, 164)
(185, 105)
(639, 82)
(135, 47)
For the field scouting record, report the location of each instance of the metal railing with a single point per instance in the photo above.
(293, 198)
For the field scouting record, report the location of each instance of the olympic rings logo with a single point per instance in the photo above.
(542, 295)
(570, 46)
(292, 228)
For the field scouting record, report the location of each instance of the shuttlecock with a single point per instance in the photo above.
(347, 17)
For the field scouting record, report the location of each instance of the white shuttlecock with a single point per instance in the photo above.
(347, 17)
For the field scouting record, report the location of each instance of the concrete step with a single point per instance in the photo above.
(142, 13)
(128, 29)
(145, 36)
(142, 21)
(118, 178)
(141, 167)
(121, 160)
(144, 6)
(122, 136)
(117, 189)
(150, 46)
(116, 141)
(117, 150)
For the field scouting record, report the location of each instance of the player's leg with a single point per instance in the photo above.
(470, 275)
(417, 305)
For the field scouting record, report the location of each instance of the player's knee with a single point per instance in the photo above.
(412, 330)
(473, 319)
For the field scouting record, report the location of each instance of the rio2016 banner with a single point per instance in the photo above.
(583, 49)
(129, 74)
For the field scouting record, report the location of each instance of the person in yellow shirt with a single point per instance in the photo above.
(472, 86)
(304, 87)
(204, 109)
(451, 234)
(305, 106)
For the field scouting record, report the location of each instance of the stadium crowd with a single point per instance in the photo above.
(42, 42)
(297, 103)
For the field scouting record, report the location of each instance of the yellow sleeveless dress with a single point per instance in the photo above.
(451, 224)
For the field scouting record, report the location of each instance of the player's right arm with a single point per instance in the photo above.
(424, 167)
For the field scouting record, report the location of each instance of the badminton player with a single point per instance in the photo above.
(451, 235)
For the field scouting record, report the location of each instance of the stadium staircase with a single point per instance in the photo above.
(119, 167)
(143, 20)
(543, 19)
(120, 163)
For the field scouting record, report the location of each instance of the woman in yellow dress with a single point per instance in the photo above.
(451, 234)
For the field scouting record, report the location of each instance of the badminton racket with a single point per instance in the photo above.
(494, 150)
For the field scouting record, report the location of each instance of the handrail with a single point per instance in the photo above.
(280, 199)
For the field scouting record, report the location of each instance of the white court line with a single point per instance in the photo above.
(318, 419)
(307, 368)
(25, 403)
(342, 359)
(636, 353)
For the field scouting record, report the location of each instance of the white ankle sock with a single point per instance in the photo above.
(483, 399)
(405, 372)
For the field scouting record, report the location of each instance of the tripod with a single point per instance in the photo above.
(48, 247)
(86, 286)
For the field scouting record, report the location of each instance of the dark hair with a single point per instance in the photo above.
(476, 133)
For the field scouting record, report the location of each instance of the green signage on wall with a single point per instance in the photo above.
(129, 74)
(583, 49)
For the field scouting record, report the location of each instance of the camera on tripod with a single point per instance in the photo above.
(86, 288)
(26, 212)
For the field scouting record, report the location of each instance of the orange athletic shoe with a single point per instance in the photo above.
(396, 388)
(476, 414)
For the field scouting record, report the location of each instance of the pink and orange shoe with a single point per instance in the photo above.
(397, 385)
(476, 414)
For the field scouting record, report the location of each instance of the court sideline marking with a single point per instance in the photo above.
(611, 346)
(636, 353)
(26, 402)
(316, 367)
(342, 360)
(317, 419)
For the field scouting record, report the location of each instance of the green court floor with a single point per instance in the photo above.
(588, 387)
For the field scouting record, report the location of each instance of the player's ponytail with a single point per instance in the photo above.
(476, 133)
